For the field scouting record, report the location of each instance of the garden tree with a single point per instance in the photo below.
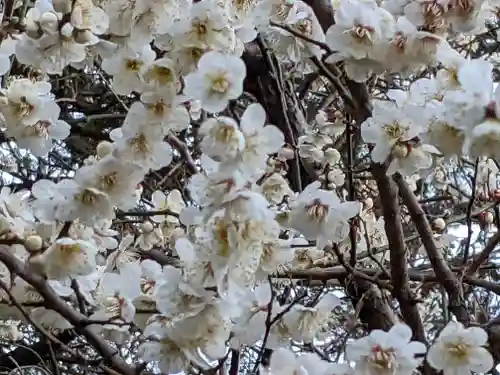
(249, 186)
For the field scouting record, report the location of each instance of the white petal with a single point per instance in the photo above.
(480, 360)
(253, 118)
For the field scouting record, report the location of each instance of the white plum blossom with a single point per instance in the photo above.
(459, 350)
(261, 140)
(115, 297)
(285, 362)
(389, 127)
(146, 188)
(171, 359)
(124, 254)
(83, 202)
(205, 26)
(140, 145)
(218, 79)
(275, 187)
(25, 103)
(67, 257)
(126, 66)
(386, 352)
(320, 215)
(222, 139)
(303, 20)
(307, 322)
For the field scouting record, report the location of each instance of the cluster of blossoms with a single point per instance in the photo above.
(229, 239)
(445, 117)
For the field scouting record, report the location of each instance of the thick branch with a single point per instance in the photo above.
(399, 267)
(444, 274)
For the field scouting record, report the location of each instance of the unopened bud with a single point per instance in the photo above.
(332, 156)
(104, 148)
(49, 22)
(33, 30)
(67, 30)
(317, 154)
(439, 224)
(368, 204)
(83, 36)
(487, 217)
(147, 227)
(33, 243)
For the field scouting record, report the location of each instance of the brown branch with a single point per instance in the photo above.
(446, 277)
(54, 302)
(235, 361)
(483, 255)
(340, 273)
(184, 151)
(399, 267)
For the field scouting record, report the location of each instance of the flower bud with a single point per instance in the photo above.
(439, 224)
(49, 22)
(104, 148)
(33, 243)
(332, 156)
(33, 30)
(67, 30)
(368, 204)
(83, 36)
(317, 155)
(147, 227)
(487, 217)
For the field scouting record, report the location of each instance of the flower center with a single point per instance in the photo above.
(140, 144)
(400, 41)
(317, 211)
(221, 235)
(40, 129)
(113, 306)
(220, 84)
(147, 286)
(196, 53)
(162, 74)
(243, 5)
(394, 130)
(459, 350)
(23, 108)
(133, 65)
(200, 28)
(433, 16)
(68, 250)
(159, 108)
(225, 133)
(363, 34)
(304, 26)
(87, 197)
(109, 181)
(383, 359)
